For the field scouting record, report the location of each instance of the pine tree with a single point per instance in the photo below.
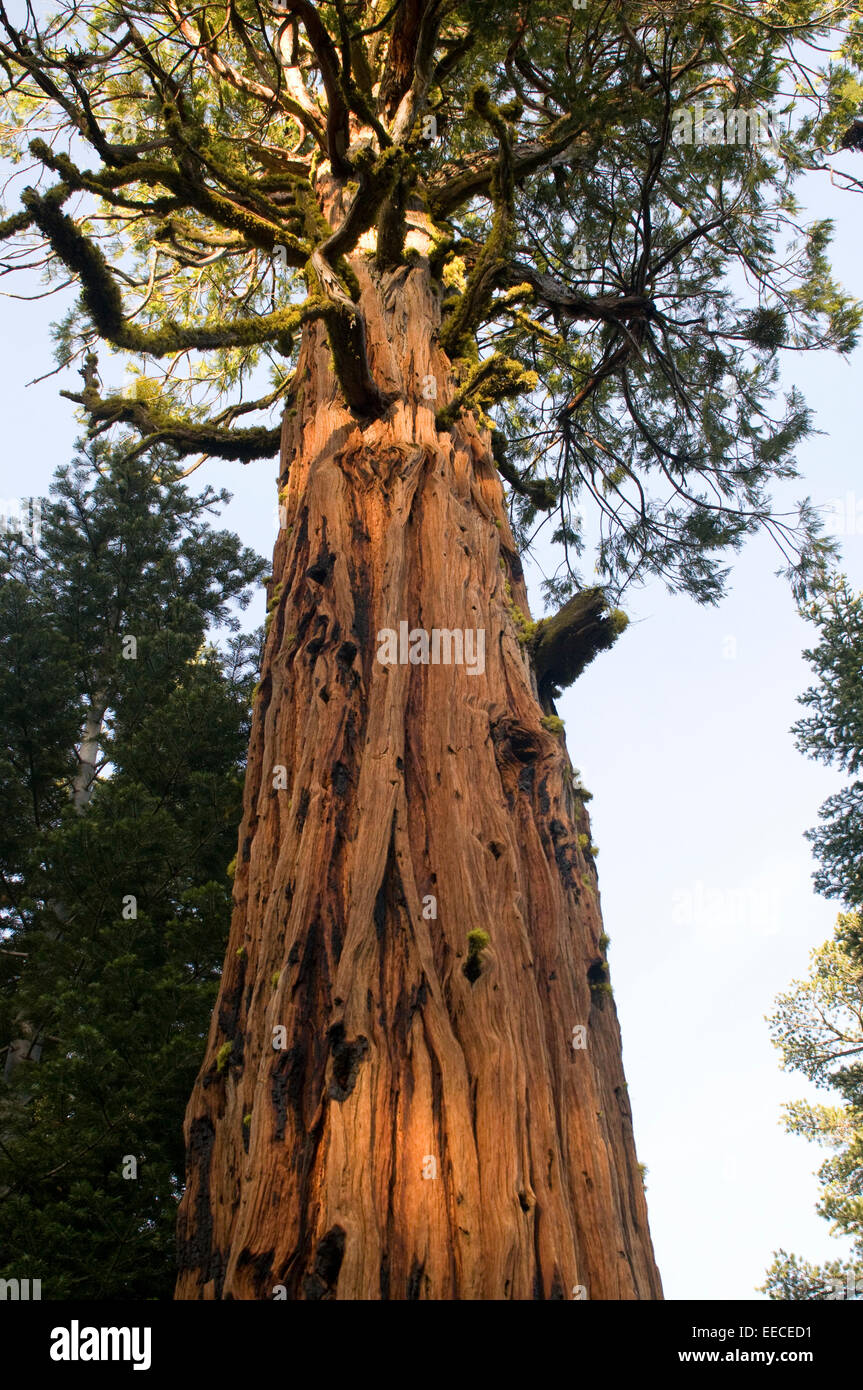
(818, 1022)
(832, 732)
(501, 269)
(818, 1028)
(116, 898)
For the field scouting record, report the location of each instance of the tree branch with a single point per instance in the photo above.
(184, 436)
(567, 642)
(104, 303)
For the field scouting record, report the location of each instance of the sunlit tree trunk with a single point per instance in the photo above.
(417, 1131)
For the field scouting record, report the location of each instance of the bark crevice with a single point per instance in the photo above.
(420, 802)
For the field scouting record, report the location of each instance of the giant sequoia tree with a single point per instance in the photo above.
(505, 274)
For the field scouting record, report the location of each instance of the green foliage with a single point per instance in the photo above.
(818, 1028)
(553, 723)
(790, 1278)
(477, 941)
(615, 301)
(818, 1022)
(120, 1003)
(832, 732)
(525, 629)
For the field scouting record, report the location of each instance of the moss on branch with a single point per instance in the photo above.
(346, 331)
(18, 222)
(334, 285)
(377, 178)
(495, 379)
(567, 642)
(104, 303)
(392, 226)
(158, 426)
(261, 229)
(492, 263)
(544, 493)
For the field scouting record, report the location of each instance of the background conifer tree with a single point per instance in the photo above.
(818, 1022)
(115, 890)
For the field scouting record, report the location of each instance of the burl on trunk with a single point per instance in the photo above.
(390, 1107)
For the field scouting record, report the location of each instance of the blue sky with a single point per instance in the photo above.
(700, 803)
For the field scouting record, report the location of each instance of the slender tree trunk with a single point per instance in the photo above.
(414, 1132)
(84, 780)
(28, 1046)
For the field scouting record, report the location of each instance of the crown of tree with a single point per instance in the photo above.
(613, 300)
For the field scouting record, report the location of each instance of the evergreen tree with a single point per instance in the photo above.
(818, 1028)
(116, 899)
(832, 733)
(818, 1023)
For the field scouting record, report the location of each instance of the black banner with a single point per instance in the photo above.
(254, 1340)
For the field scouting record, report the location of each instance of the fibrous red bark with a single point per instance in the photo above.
(412, 1134)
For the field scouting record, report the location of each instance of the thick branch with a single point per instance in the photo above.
(399, 70)
(494, 379)
(184, 436)
(566, 643)
(491, 263)
(347, 338)
(376, 180)
(337, 107)
(261, 229)
(607, 308)
(456, 189)
(421, 71)
(544, 493)
(104, 303)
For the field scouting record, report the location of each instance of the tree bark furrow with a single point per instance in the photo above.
(417, 1134)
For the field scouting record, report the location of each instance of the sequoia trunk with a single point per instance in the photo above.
(371, 1121)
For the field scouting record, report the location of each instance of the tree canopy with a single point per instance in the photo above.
(615, 292)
